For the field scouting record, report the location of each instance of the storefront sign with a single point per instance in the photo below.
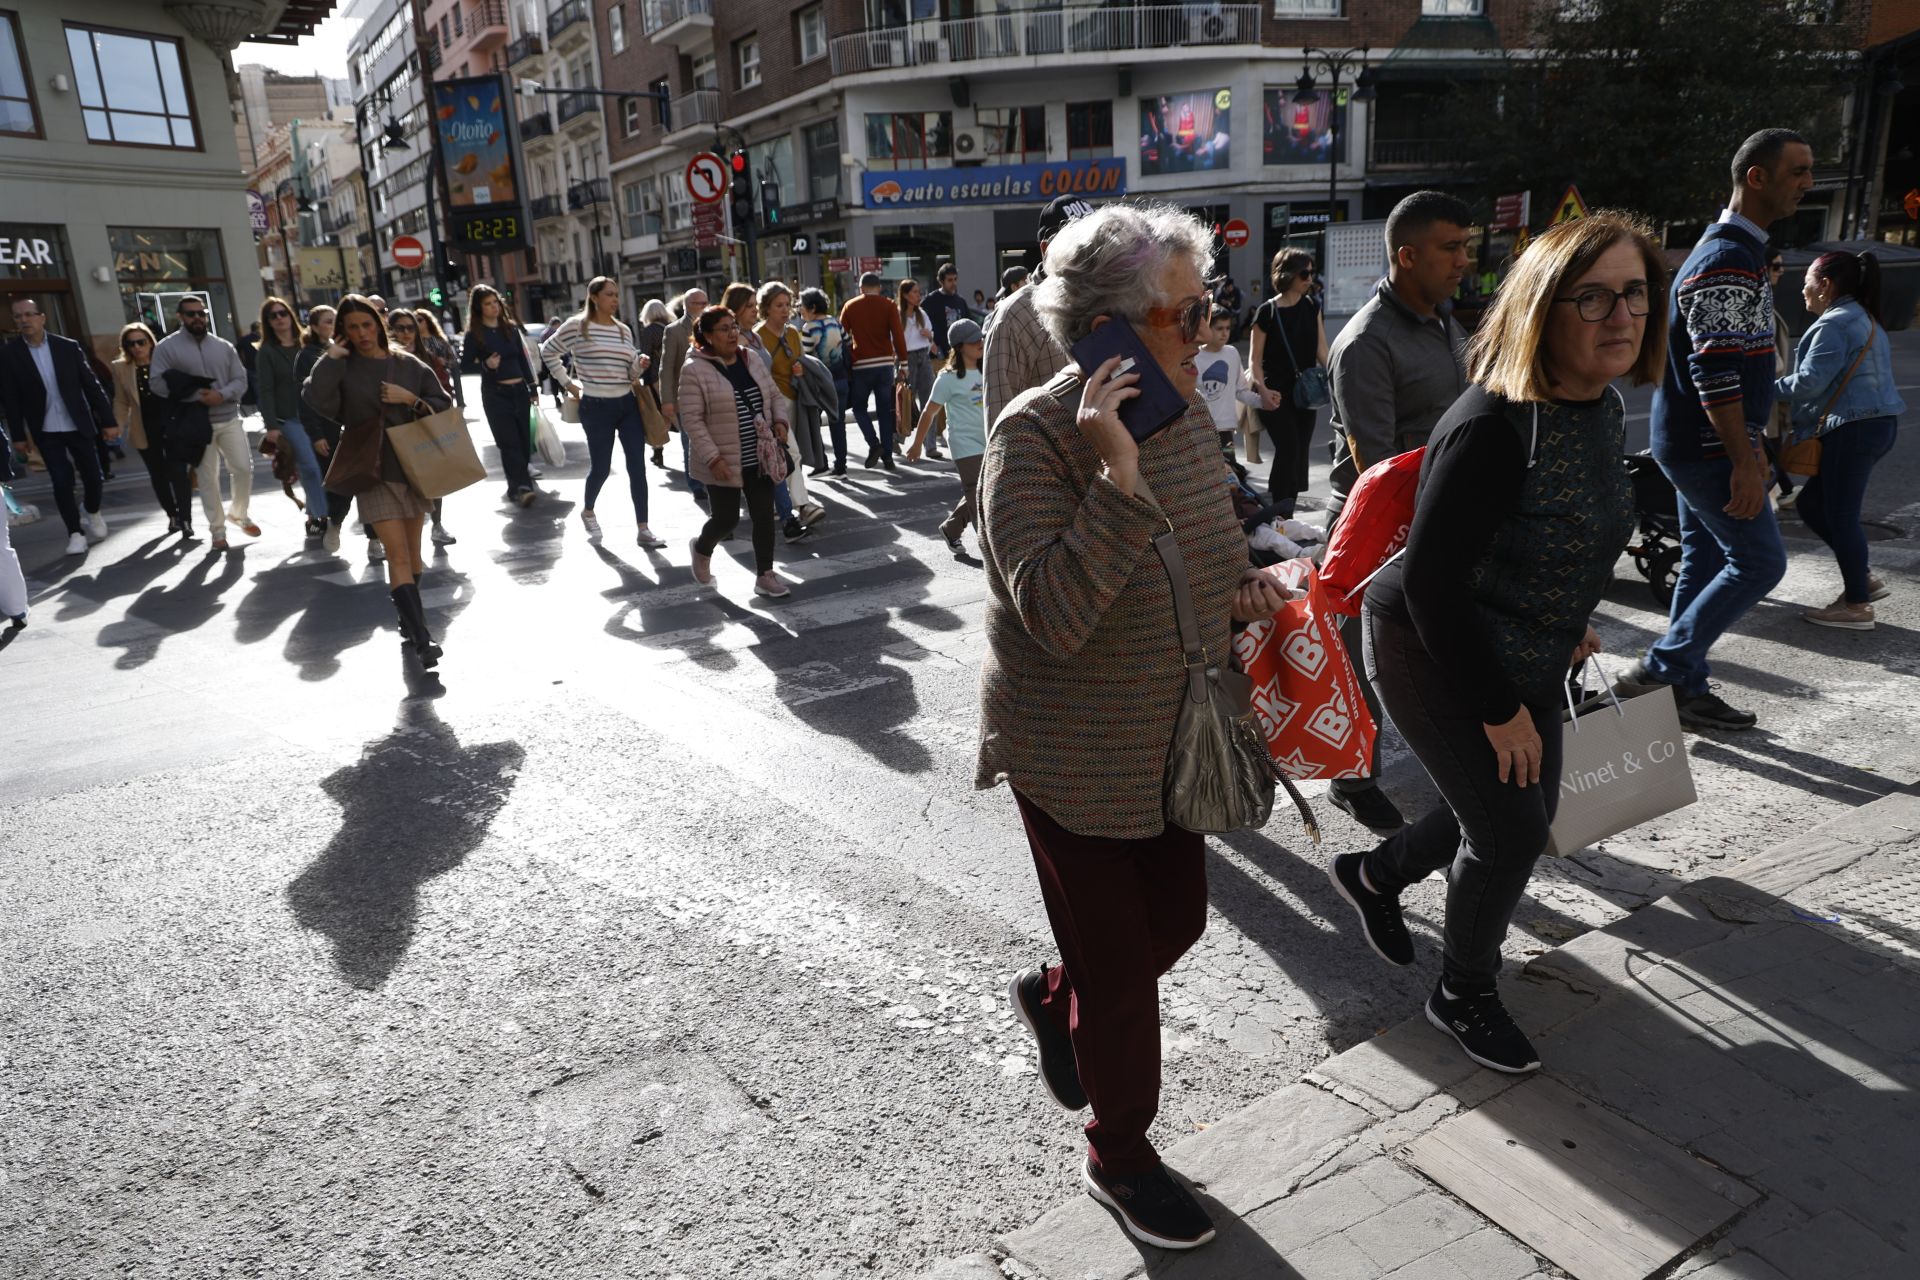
(812, 211)
(650, 270)
(869, 264)
(831, 243)
(23, 251)
(839, 264)
(1282, 217)
(993, 184)
(257, 212)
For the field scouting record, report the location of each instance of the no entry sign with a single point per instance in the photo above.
(408, 252)
(1236, 234)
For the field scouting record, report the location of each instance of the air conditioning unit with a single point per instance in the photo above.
(971, 144)
(886, 52)
(1207, 24)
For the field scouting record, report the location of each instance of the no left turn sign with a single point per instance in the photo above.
(707, 178)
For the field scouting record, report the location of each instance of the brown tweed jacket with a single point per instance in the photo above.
(1083, 676)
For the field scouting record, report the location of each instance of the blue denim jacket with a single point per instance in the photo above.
(1826, 352)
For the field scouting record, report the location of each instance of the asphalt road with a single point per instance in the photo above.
(663, 934)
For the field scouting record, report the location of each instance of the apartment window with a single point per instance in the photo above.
(640, 205)
(1309, 8)
(679, 202)
(706, 72)
(617, 29)
(446, 31)
(133, 88)
(629, 116)
(1014, 135)
(772, 161)
(661, 88)
(456, 20)
(1453, 8)
(811, 23)
(17, 113)
(910, 139)
(1089, 130)
(747, 57)
(822, 142)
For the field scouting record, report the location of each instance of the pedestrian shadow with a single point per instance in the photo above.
(535, 538)
(1237, 1250)
(1761, 754)
(82, 594)
(159, 612)
(411, 810)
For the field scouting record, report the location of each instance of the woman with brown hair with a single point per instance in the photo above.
(790, 495)
(606, 367)
(145, 417)
(406, 331)
(496, 349)
(276, 363)
(1289, 336)
(726, 396)
(1522, 509)
(367, 385)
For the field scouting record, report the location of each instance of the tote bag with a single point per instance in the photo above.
(437, 453)
(1622, 764)
(1307, 695)
(650, 416)
(546, 439)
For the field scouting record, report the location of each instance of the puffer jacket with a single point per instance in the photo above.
(708, 414)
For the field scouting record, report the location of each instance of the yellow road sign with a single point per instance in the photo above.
(1571, 206)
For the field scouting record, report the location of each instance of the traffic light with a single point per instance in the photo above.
(436, 296)
(770, 203)
(742, 202)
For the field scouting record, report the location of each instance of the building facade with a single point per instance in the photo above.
(269, 98)
(121, 186)
(385, 70)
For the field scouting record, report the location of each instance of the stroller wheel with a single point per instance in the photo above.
(1663, 573)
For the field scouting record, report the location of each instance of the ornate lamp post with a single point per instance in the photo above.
(1334, 64)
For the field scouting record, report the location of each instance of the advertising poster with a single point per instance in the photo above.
(1301, 132)
(470, 128)
(1185, 133)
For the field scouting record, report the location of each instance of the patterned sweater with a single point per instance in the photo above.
(1719, 345)
(1084, 674)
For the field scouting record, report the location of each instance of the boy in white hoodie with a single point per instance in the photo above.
(1221, 384)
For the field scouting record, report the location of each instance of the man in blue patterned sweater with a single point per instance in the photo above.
(1708, 417)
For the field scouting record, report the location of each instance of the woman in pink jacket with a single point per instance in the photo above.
(731, 413)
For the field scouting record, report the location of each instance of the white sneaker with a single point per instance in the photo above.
(441, 538)
(77, 544)
(702, 565)
(96, 526)
(592, 522)
(330, 540)
(376, 554)
(811, 514)
(651, 540)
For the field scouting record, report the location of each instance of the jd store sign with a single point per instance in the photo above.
(993, 184)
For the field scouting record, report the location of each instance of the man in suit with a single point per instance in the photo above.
(52, 394)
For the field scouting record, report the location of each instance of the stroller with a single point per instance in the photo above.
(1656, 554)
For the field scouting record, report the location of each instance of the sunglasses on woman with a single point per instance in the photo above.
(279, 315)
(1191, 317)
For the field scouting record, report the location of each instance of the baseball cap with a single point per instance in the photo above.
(962, 331)
(1060, 212)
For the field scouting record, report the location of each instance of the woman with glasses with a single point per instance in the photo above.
(1522, 509)
(145, 416)
(606, 366)
(276, 369)
(404, 328)
(1289, 336)
(726, 397)
(1085, 674)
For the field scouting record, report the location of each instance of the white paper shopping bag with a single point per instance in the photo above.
(1622, 764)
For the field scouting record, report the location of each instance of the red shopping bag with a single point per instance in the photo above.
(1304, 688)
(1371, 530)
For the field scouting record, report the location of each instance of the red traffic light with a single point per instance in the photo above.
(739, 162)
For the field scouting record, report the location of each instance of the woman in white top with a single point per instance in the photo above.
(606, 365)
(919, 355)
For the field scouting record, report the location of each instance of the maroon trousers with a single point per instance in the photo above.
(1123, 912)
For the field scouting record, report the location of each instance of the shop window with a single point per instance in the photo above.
(747, 57)
(822, 142)
(913, 252)
(17, 114)
(155, 266)
(1014, 135)
(133, 88)
(910, 139)
(811, 23)
(1089, 130)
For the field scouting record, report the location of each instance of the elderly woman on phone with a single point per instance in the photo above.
(1084, 675)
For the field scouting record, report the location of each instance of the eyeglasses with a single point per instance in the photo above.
(1190, 316)
(1596, 303)
(137, 342)
(279, 315)
(193, 315)
(404, 328)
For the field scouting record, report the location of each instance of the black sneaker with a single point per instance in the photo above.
(873, 457)
(1379, 913)
(1481, 1025)
(1710, 711)
(1370, 808)
(956, 546)
(1059, 1072)
(794, 529)
(1153, 1208)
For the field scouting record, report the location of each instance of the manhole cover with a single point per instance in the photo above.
(1876, 532)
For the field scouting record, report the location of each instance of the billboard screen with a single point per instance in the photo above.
(1301, 132)
(1185, 133)
(470, 128)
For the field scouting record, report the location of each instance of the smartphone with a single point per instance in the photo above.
(1159, 403)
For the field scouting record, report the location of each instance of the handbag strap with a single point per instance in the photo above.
(1193, 652)
(1873, 331)
(1281, 326)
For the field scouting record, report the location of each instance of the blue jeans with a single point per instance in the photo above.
(604, 417)
(1726, 567)
(837, 424)
(1830, 502)
(312, 477)
(877, 382)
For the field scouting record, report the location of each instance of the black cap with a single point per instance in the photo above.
(1058, 214)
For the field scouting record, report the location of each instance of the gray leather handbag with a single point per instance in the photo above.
(1219, 775)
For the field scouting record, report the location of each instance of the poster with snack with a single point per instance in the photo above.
(470, 128)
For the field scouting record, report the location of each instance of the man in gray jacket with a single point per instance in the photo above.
(1396, 367)
(673, 356)
(192, 351)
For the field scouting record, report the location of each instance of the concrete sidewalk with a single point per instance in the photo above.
(1729, 1092)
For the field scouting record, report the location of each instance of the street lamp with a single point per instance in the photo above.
(1304, 93)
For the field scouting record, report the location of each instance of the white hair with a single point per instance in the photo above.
(655, 312)
(1110, 262)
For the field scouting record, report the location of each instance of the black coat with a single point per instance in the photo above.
(25, 396)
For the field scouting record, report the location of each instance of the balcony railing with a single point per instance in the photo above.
(577, 104)
(1046, 33)
(527, 46)
(560, 274)
(548, 207)
(657, 15)
(702, 106)
(565, 16)
(487, 24)
(433, 56)
(538, 125)
(1414, 153)
(592, 191)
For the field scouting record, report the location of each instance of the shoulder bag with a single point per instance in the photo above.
(1801, 456)
(1310, 390)
(355, 465)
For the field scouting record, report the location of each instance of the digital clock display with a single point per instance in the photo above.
(489, 230)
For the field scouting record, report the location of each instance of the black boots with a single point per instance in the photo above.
(413, 623)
